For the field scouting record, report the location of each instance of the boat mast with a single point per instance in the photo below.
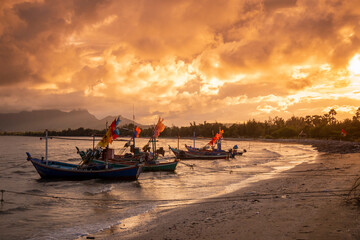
(46, 146)
(106, 149)
(219, 141)
(133, 128)
(194, 138)
(154, 148)
(178, 140)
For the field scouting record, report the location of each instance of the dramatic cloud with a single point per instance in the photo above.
(226, 61)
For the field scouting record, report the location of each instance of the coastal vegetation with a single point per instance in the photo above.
(312, 126)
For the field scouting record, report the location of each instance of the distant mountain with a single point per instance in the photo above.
(55, 120)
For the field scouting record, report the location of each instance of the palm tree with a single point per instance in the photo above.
(332, 114)
(357, 115)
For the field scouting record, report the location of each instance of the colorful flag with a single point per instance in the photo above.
(214, 139)
(217, 137)
(221, 134)
(115, 131)
(111, 134)
(113, 125)
(159, 127)
(343, 132)
(116, 134)
(118, 121)
(137, 132)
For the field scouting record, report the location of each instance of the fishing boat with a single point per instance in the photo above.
(86, 169)
(60, 170)
(200, 155)
(232, 151)
(208, 152)
(150, 160)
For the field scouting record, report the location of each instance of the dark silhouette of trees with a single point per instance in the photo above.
(311, 126)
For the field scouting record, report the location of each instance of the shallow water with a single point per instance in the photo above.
(69, 209)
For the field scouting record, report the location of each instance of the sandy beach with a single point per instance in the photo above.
(305, 202)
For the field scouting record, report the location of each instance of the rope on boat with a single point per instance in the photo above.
(242, 197)
(189, 165)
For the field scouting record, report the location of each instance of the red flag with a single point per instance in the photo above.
(343, 132)
(113, 125)
(221, 134)
(137, 132)
(217, 136)
(111, 134)
(159, 127)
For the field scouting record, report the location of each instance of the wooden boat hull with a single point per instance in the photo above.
(186, 155)
(60, 170)
(163, 167)
(147, 167)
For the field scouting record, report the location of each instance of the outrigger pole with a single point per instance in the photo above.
(46, 146)
(133, 128)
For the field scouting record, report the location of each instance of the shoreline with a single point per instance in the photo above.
(305, 202)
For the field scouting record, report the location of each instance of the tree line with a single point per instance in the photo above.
(312, 126)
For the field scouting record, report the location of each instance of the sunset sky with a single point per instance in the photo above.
(225, 61)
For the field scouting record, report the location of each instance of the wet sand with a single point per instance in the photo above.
(306, 202)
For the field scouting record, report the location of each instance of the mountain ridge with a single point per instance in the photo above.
(53, 119)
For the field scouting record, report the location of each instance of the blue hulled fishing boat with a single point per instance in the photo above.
(86, 169)
(61, 170)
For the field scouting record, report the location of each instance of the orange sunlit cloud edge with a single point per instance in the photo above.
(226, 61)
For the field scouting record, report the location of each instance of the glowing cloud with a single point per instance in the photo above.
(183, 60)
(354, 65)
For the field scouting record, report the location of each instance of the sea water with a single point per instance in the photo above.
(33, 208)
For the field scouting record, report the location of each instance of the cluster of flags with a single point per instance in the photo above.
(217, 137)
(159, 127)
(111, 134)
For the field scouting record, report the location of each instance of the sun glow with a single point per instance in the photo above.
(354, 65)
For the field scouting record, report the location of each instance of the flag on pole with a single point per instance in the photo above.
(111, 134)
(159, 127)
(343, 132)
(221, 134)
(137, 132)
(217, 136)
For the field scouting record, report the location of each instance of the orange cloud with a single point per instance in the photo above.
(186, 60)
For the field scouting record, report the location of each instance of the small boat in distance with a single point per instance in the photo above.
(202, 155)
(208, 152)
